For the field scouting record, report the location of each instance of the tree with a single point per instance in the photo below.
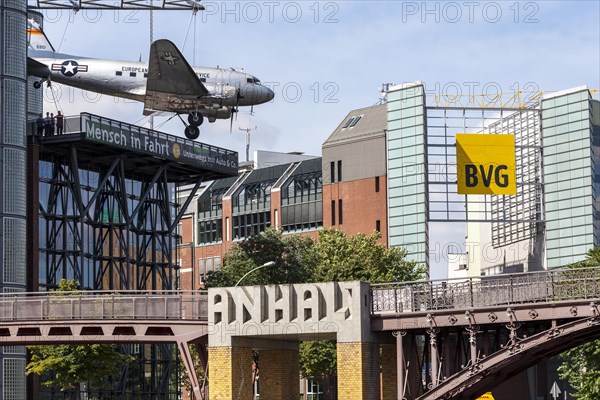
(293, 263)
(340, 257)
(69, 365)
(581, 365)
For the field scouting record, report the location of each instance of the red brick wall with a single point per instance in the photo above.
(362, 206)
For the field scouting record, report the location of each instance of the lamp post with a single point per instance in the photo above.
(267, 264)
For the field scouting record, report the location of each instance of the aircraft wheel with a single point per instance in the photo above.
(37, 85)
(195, 119)
(192, 132)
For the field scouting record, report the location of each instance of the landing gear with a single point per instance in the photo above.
(192, 132)
(195, 118)
(38, 84)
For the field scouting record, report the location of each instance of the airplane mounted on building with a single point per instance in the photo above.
(167, 83)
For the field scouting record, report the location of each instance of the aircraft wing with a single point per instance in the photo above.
(171, 80)
(37, 68)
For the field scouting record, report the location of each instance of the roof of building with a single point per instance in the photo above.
(360, 123)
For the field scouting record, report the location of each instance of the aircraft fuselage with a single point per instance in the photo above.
(127, 79)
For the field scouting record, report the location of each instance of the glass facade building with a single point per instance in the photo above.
(408, 200)
(553, 219)
(13, 161)
(571, 175)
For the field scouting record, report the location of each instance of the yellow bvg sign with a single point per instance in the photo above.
(486, 164)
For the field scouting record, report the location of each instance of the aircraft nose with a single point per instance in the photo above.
(268, 94)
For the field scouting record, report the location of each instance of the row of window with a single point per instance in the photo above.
(248, 225)
(255, 196)
(131, 74)
(205, 265)
(302, 189)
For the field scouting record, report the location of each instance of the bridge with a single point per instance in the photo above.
(438, 339)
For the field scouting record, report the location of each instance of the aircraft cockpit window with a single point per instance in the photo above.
(253, 80)
(249, 80)
(256, 81)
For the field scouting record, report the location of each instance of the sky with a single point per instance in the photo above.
(325, 58)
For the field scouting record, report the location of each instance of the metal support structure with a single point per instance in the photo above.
(76, 5)
(113, 230)
(400, 364)
(433, 331)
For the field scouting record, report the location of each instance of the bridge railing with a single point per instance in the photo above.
(486, 291)
(86, 305)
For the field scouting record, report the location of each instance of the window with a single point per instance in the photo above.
(253, 196)
(313, 389)
(202, 79)
(332, 171)
(132, 74)
(339, 171)
(355, 121)
(377, 184)
(340, 212)
(378, 226)
(332, 212)
(301, 202)
(210, 231)
(247, 225)
(348, 122)
(118, 73)
(145, 74)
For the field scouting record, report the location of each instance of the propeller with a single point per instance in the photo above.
(234, 108)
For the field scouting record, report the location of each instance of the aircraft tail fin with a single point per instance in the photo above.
(37, 39)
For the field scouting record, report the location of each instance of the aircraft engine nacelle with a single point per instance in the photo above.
(223, 94)
(219, 113)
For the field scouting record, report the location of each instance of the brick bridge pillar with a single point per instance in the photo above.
(280, 373)
(389, 372)
(358, 371)
(230, 373)
(273, 319)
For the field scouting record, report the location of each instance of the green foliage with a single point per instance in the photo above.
(318, 359)
(73, 364)
(291, 256)
(361, 257)
(581, 365)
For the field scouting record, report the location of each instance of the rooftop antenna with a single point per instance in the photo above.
(247, 130)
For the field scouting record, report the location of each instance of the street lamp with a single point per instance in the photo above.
(267, 264)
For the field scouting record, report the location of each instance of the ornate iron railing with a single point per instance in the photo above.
(486, 291)
(91, 305)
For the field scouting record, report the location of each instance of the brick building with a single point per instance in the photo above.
(296, 193)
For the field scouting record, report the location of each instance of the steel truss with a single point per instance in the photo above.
(113, 229)
(77, 5)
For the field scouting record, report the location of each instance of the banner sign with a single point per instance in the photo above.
(158, 144)
(486, 164)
